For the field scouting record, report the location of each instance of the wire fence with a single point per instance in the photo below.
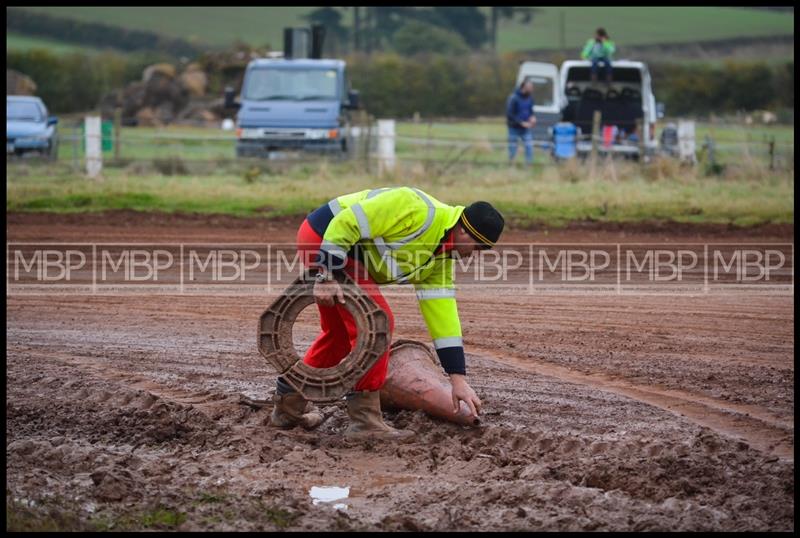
(197, 150)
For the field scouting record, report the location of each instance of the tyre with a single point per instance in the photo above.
(52, 150)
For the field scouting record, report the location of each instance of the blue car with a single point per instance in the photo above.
(29, 128)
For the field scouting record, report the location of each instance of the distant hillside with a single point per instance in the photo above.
(17, 41)
(218, 26)
(642, 26)
(43, 25)
(550, 27)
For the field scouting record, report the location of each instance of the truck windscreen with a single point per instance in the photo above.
(291, 84)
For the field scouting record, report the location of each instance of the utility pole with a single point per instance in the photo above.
(370, 20)
(494, 28)
(357, 28)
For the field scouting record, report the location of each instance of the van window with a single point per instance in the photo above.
(542, 90)
(621, 74)
(269, 84)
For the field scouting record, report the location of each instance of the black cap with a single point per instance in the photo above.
(483, 223)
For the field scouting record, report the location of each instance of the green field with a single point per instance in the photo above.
(643, 25)
(547, 197)
(221, 26)
(463, 142)
(463, 157)
(217, 26)
(21, 42)
(208, 179)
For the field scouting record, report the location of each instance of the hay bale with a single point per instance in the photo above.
(165, 112)
(146, 117)
(161, 89)
(199, 113)
(19, 83)
(163, 69)
(194, 82)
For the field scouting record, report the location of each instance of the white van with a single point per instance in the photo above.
(569, 95)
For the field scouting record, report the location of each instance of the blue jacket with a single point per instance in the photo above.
(519, 108)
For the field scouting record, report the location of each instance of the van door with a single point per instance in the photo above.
(546, 95)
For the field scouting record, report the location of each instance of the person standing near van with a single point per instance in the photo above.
(520, 120)
(599, 50)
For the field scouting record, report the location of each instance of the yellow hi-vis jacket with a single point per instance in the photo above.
(398, 230)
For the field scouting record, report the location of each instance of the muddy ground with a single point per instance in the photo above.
(601, 412)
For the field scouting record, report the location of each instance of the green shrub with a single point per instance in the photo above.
(76, 82)
(432, 84)
(415, 37)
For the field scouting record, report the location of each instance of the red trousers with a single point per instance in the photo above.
(338, 334)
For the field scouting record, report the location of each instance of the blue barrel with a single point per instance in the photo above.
(564, 140)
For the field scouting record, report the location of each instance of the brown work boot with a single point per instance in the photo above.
(292, 409)
(366, 421)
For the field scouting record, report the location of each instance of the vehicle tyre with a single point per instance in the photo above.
(52, 149)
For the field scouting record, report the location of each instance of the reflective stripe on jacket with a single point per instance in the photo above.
(398, 230)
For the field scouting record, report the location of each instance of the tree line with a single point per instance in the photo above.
(77, 82)
(96, 34)
(443, 29)
(432, 85)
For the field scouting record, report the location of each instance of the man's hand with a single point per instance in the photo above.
(463, 392)
(532, 122)
(328, 293)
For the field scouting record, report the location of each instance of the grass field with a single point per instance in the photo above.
(494, 128)
(203, 176)
(549, 195)
(487, 138)
(642, 25)
(17, 41)
(259, 26)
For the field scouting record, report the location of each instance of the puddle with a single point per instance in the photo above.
(329, 494)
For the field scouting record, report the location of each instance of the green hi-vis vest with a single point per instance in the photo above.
(398, 230)
(594, 50)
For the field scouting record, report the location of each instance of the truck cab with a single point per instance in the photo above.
(293, 104)
(569, 95)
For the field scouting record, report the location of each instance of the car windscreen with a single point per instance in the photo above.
(291, 84)
(21, 110)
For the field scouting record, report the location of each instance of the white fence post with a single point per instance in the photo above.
(686, 142)
(94, 152)
(386, 157)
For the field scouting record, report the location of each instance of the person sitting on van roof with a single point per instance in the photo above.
(599, 49)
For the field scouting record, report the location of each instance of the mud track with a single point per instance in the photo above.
(638, 412)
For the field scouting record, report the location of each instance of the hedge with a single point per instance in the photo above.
(461, 86)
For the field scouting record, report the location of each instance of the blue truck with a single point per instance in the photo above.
(293, 103)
